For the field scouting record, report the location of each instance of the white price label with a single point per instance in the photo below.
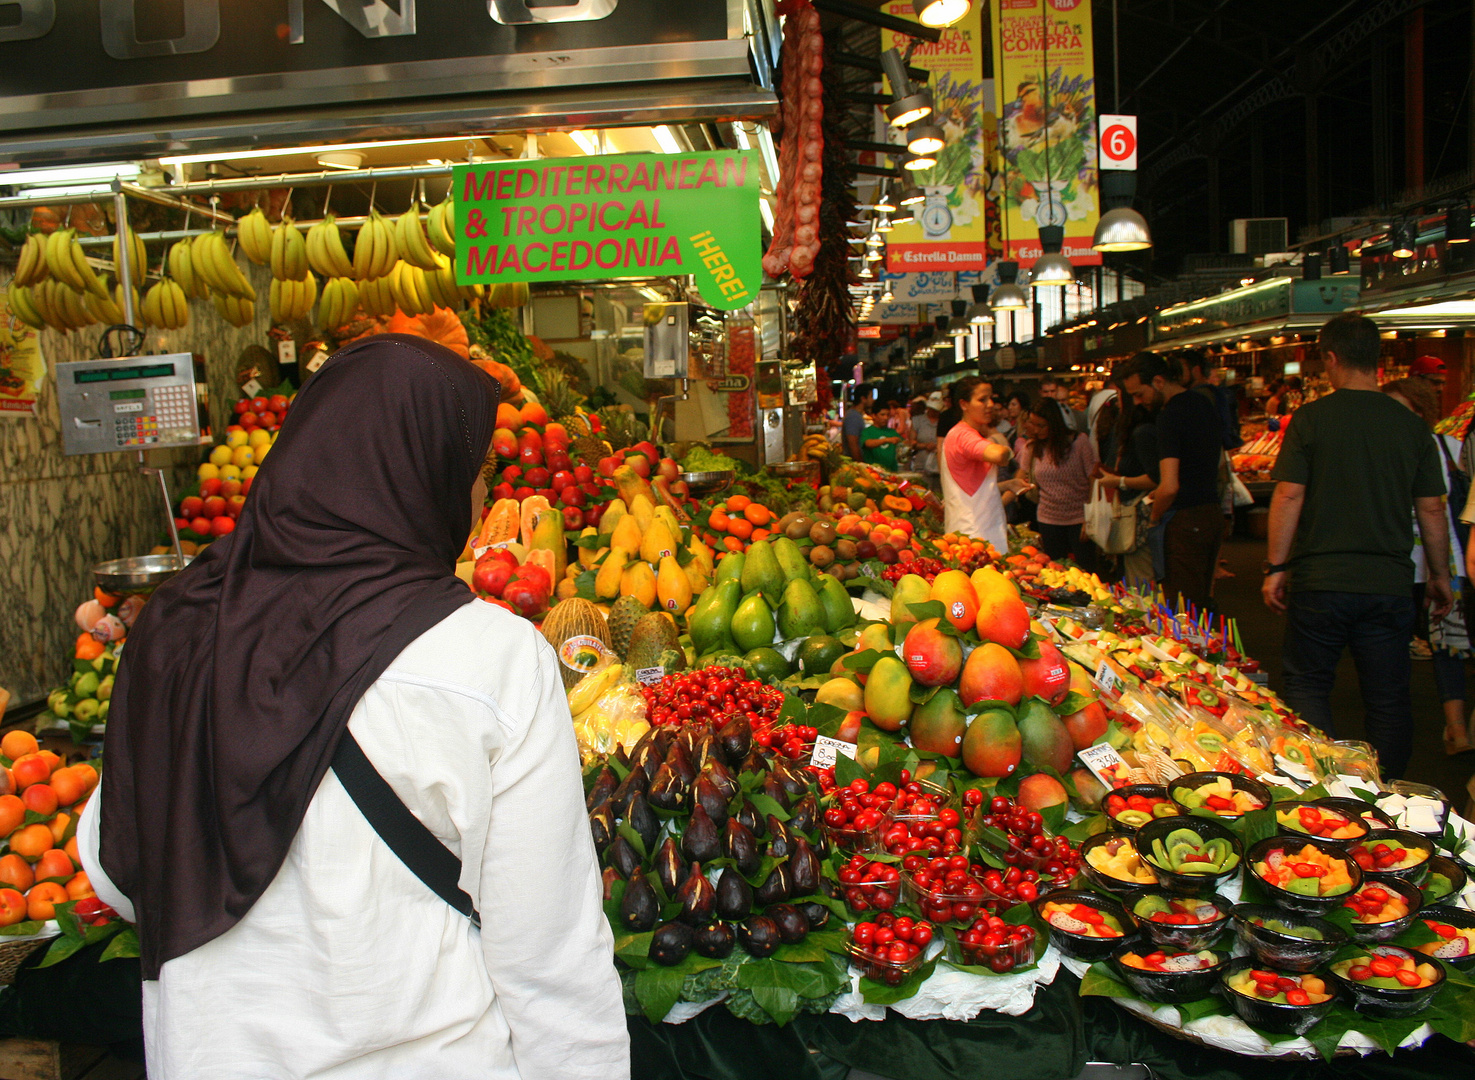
(1106, 678)
(1105, 764)
(287, 351)
(649, 675)
(319, 358)
(826, 749)
(252, 388)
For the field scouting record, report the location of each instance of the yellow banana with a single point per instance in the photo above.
(31, 268)
(90, 281)
(59, 258)
(138, 260)
(220, 265)
(174, 304)
(409, 236)
(325, 252)
(441, 227)
(23, 307)
(288, 252)
(182, 270)
(255, 235)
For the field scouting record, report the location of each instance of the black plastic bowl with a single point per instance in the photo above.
(1248, 784)
(1167, 987)
(1454, 916)
(1388, 1002)
(1450, 869)
(1189, 884)
(1149, 790)
(1387, 931)
(1106, 881)
(1079, 946)
(1281, 1019)
(1285, 952)
(1414, 874)
(1306, 905)
(1286, 830)
(1369, 813)
(1189, 938)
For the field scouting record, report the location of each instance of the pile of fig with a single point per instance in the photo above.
(687, 795)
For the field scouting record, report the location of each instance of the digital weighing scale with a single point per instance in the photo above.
(133, 403)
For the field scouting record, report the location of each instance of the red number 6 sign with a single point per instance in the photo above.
(1118, 142)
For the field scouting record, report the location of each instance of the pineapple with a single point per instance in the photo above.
(558, 396)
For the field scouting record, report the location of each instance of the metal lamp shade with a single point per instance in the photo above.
(1122, 229)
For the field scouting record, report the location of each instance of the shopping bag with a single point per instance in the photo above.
(1242, 496)
(1111, 526)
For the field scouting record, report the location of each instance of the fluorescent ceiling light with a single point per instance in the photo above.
(588, 141)
(77, 175)
(290, 151)
(665, 139)
(766, 209)
(1456, 308)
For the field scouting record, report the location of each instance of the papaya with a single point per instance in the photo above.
(626, 536)
(500, 525)
(607, 580)
(611, 517)
(548, 536)
(888, 694)
(589, 557)
(657, 543)
(630, 484)
(643, 511)
(992, 746)
(673, 589)
(639, 580)
(897, 503)
(938, 725)
(531, 507)
(762, 572)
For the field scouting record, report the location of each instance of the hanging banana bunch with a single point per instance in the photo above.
(409, 235)
(288, 252)
(441, 227)
(325, 253)
(182, 270)
(254, 233)
(374, 254)
(67, 263)
(31, 269)
(377, 298)
(23, 305)
(436, 285)
(340, 301)
(235, 310)
(407, 283)
(63, 306)
(111, 312)
(292, 299)
(137, 258)
(165, 305)
(509, 295)
(213, 261)
(41, 301)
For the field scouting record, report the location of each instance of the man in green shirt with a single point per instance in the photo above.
(1351, 468)
(878, 445)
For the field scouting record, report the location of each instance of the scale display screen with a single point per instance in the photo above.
(128, 395)
(149, 371)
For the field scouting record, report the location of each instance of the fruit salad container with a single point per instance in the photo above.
(1179, 923)
(1394, 855)
(992, 943)
(1381, 910)
(1374, 818)
(1083, 925)
(1136, 805)
(1169, 976)
(1419, 807)
(1283, 940)
(1320, 822)
(1279, 864)
(1190, 855)
(1388, 981)
(1455, 928)
(1112, 862)
(1227, 796)
(943, 899)
(1274, 1009)
(1446, 880)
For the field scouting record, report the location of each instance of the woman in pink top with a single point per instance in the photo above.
(973, 498)
(1060, 463)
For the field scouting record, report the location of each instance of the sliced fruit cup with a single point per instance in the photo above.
(1455, 930)
(1135, 805)
(1389, 981)
(1083, 925)
(1381, 910)
(1180, 923)
(1169, 976)
(1374, 818)
(1112, 862)
(1228, 796)
(1280, 1002)
(948, 900)
(874, 962)
(1279, 939)
(1393, 854)
(1312, 877)
(1190, 855)
(1000, 950)
(1319, 822)
(1446, 880)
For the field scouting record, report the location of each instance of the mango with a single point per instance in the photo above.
(958, 598)
(1002, 616)
(933, 658)
(938, 724)
(1089, 791)
(607, 581)
(1087, 726)
(627, 535)
(762, 572)
(752, 623)
(800, 614)
(888, 695)
(790, 559)
(876, 636)
(1048, 677)
(731, 567)
(657, 543)
(1040, 790)
(839, 611)
(992, 745)
(1045, 740)
(991, 674)
(639, 580)
(911, 589)
(673, 589)
(843, 694)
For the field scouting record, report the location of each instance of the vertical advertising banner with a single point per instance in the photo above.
(953, 228)
(1047, 124)
(22, 367)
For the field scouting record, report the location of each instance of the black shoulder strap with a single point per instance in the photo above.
(417, 847)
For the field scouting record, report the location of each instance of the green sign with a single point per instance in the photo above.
(621, 216)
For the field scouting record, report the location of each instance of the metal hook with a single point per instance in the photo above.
(373, 190)
(328, 198)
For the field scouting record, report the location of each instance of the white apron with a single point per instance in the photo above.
(979, 515)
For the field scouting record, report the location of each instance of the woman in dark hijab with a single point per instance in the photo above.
(281, 936)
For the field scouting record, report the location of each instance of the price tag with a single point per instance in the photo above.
(251, 388)
(826, 749)
(1105, 764)
(1107, 679)
(319, 358)
(647, 676)
(287, 351)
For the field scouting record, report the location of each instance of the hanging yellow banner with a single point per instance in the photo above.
(1047, 124)
(22, 368)
(953, 228)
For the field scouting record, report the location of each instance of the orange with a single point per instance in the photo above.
(12, 814)
(759, 534)
(30, 769)
(54, 864)
(80, 886)
(757, 513)
(738, 503)
(106, 599)
(68, 784)
(31, 841)
(718, 521)
(12, 907)
(41, 901)
(732, 543)
(742, 528)
(58, 826)
(16, 873)
(40, 798)
(18, 744)
(88, 647)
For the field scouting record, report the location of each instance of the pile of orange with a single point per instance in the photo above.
(737, 523)
(40, 868)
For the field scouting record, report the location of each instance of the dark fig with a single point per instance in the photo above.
(774, 788)
(633, 784)
(714, 941)
(643, 820)
(792, 775)
(700, 842)
(679, 758)
(793, 927)
(602, 825)
(639, 907)
(817, 915)
(780, 842)
(734, 895)
(703, 748)
(722, 778)
(739, 845)
(758, 935)
(776, 889)
(831, 889)
(750, 817)
(621, 757)
(608, 879)
(643, 748)
(667, 790)
(804, 868)
(670, 944)
(622, 856)
(804, 817)
(756, 762)
(604, 786)
(698, 898)
(670, 867)
(663, 740)
(686, 738)
(705, 794)
(736, 739)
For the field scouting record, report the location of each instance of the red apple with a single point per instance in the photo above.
(523, 493)
(572, 496)
(259, 405)
(244, 405)
(640, 463)
(592, 515)
(549, 494)
(181, 523)
(190, 505)
(502, 491)
(229, 489)
(648, 449)
(536, 477)
(573, 517)
(536, 573)
(200, 525)
(234, 504)
(214, 507)
(222, 525)
(209, 487)
(277, 403)
(528, 598)
(583, 474)
(592, 490)
(512, 474)
(558, 460)
(267, 419)
(669, 469)
(249, 420)
(246, 485)
(608, 465)
(561, 479)
(490, 576)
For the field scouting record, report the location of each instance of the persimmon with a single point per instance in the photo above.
(41, 901)
(106, 599)
(12, 907)
(88, 647)
(12, 814)
(16, 873)
(30, 769)
(40, 798)
(54, 864)
(58, 826)
(80, 886)
(17, 744)
(732, 543)
(31, 841)
(759, 534)
(718, 521)
(53, 761)
(68, 784)
(742, 528)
